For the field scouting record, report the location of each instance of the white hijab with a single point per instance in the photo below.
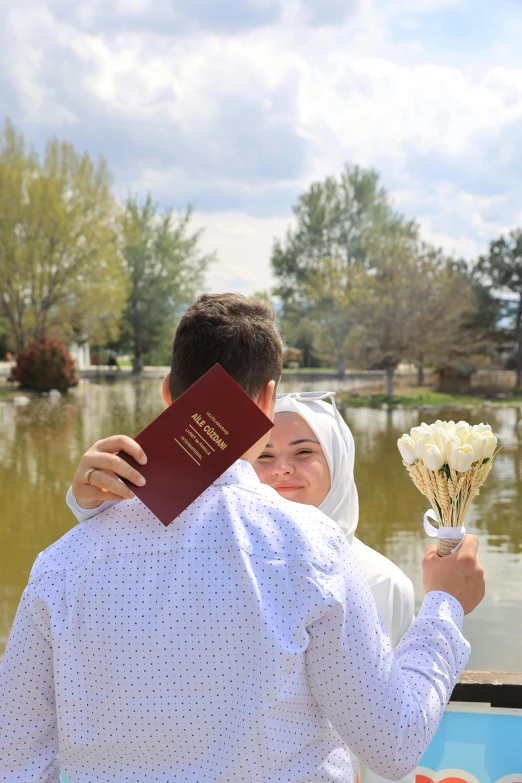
(341, 503)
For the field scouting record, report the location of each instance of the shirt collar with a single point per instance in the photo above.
(241, 472)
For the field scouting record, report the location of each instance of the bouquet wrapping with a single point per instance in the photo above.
(448, 463)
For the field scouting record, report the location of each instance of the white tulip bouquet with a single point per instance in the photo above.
(448, 463)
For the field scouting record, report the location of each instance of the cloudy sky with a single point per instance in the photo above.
(237, 105)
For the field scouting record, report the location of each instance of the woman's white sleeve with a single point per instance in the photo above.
(83, 514)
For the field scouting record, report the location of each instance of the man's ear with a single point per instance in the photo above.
(266, 399)
(165, 390)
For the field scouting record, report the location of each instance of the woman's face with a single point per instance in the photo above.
(293, 462)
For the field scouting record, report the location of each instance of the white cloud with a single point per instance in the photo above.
(397, 8)
(238, 115)
(375, 108)
(243, 245)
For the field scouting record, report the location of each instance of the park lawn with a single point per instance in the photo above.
(414, 398)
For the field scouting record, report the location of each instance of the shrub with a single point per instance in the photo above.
(45, 364)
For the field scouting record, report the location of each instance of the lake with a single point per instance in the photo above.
(42, 442)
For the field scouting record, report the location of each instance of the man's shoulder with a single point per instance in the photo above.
(87, 540)
(62, 554)
(282, 528)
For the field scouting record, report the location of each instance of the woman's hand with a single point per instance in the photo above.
(106, 468)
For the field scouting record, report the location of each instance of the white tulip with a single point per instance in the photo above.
(441, 425)
(416, 432)
(421, 442)
(491, 444)
(432, 457)
(438, 434)
(482, 428)
(462, 431)
(449, 444)
(407, 449)
(462, 458)
(477, 443)
(419, 447)
(419, 431)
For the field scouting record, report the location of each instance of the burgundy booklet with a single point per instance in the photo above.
(194, 441)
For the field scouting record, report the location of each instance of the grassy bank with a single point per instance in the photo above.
(8, 392)
(419, 397)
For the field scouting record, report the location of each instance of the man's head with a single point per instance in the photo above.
(238, 333)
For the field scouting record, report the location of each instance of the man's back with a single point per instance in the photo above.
(199, 651)
(178, 652)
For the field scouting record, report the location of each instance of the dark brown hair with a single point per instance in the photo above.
(238, 333)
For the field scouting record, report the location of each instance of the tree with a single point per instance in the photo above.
(60, 259)
(502, 268)
(485, 321)
(4, 345)
(165, 265)
(412, 304)
(301, 333)
(384, 305)
(446, 324)
(262, 295)
(335, 220)
(329, 288)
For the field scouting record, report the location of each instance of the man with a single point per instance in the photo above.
(241, 643)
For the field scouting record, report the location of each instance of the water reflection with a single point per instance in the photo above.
(40, 446)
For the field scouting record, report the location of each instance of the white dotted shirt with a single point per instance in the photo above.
(240, 643)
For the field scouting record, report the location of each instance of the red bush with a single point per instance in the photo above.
(45, 364)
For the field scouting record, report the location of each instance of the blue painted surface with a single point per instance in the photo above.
(484, 744)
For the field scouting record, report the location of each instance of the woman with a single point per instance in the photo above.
(391, 588)
(309, 459)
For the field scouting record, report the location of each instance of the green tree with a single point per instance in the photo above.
(485, 321)
(330, 290)
(447, 323)
(4, 345)
(412, 305)
(502, 269)
(262, 295)
(301, 333)
(61, 268)
(335, 221)
(166, 265)
(384, 305)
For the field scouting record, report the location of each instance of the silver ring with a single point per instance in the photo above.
(87, 475)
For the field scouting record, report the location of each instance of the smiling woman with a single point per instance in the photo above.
(293, 463)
